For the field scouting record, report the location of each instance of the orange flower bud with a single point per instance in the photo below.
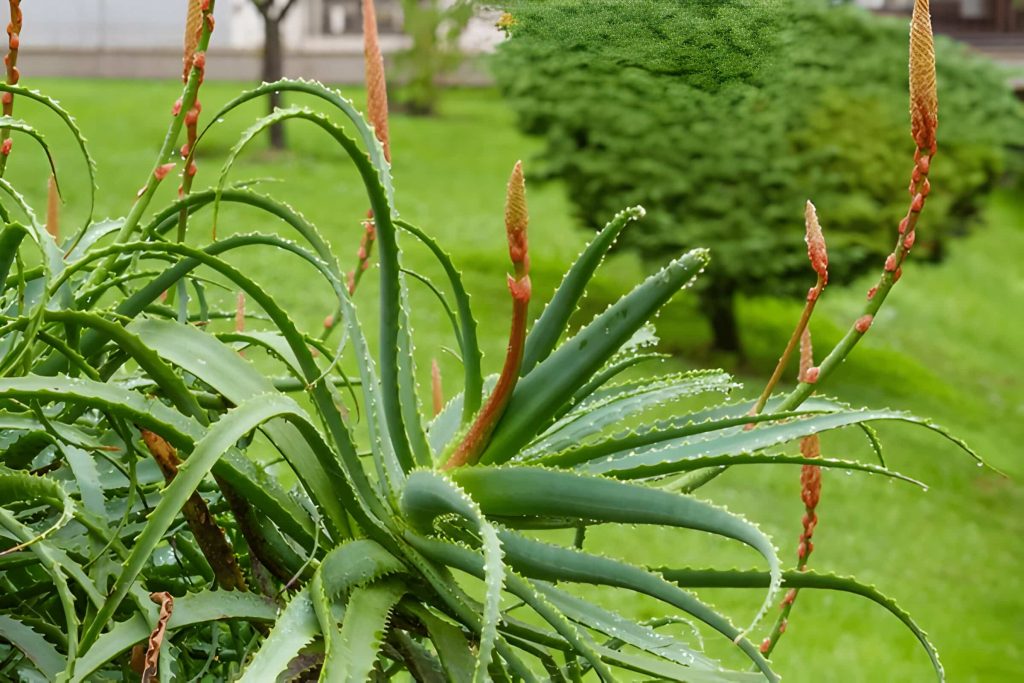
(516, 220)
(816, 243)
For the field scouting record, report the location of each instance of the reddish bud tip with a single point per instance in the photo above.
(176, 109)
(918, 203)
(863, 323)
(7, 98)
(199, 61)
(872, 292)
(161, 171)
(15, 41)
(766, 645)
(909, 240)
(890, 263)
(191, 171)
(815, 242)
(811, 376)
(924, 163)
(904, 224)
(812, 294)
(328, 322)
(5, 147)
(782, 626)
(897, 275)
(192, 116)
(790, 597)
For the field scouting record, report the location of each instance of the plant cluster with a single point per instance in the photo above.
(720, 116)
(184, 498)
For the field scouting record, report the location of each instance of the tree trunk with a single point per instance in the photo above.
(718, 304)
(273, 69)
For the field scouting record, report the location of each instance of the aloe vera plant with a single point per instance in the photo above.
(146, 532)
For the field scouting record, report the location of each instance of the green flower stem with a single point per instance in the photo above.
(167, 152)
(885, 284)
(780, 367)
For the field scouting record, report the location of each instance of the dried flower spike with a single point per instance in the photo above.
(924, 100)
(193, 30)
(376, 86)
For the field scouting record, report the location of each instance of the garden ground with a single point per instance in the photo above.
(946, 346)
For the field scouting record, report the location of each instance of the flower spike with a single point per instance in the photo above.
(376, 85)
(516, 219)
(816, 250)
(924, 99)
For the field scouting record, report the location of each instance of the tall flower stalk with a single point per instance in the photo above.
(13, 76)
(516, 220)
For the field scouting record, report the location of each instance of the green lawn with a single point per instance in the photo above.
(945, 346)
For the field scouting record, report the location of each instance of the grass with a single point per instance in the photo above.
(946, 346)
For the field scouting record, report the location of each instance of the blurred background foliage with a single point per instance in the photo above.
(722, 117)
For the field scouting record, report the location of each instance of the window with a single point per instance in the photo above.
(345, 17)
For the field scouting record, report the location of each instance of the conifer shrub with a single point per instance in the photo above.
(720, 116)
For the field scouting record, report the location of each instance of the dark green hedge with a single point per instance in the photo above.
(722, 117)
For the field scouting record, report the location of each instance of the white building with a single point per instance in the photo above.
(143, 38)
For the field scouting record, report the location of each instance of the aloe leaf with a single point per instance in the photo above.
(362, 632)
(152, 414)
(80, 245)
(615, 367)
(189, 610)
(394, 341)
(472, 563)
(87, 478)
(320, 393)
(294, 628)
(719, 578)
(452, 647)
(229, 374)
(660, 458)
(34, 646)
(546, 388)
(171, 385)
(343, 104)
(554, 320)
(537, 492)
(72, 126)
(219, 439)
(470, 348)
(555, 563)
(10, 239)
(629, 632)
(614, 405)
(428, 495)
(28, 129)
(721, 416)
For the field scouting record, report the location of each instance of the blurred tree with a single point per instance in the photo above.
(273, 13)
(435, 27)
(722, 117)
